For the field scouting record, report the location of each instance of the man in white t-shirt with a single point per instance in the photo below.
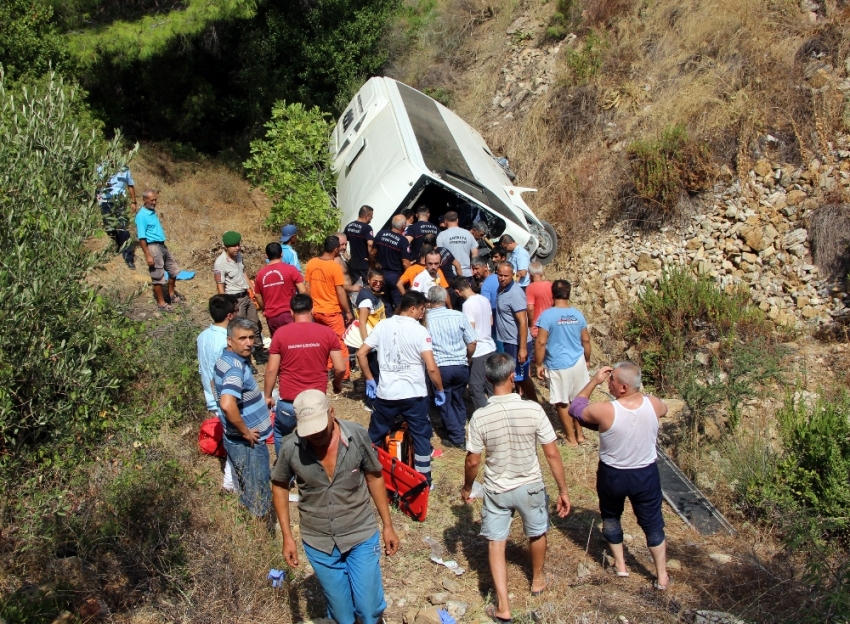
(507, 431)
(477, 309)
(404, 355)
(459, 242)
(430, 276)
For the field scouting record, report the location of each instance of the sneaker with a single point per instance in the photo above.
(131, 265)
(261, 356)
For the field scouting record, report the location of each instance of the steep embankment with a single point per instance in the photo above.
(758, 91)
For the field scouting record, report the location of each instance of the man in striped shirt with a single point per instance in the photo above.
(245, 417)
(453, 340)
(507, 431)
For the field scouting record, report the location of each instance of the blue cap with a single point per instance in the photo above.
(287, 232)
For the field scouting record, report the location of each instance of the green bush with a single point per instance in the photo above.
(442, 95)
(65, 350)
(662, 171)
(293, 166)
(29, 41)
(567, 14)
(816, 468)
(169, 387)
(586, 62)
(667, 318)
(803, 489)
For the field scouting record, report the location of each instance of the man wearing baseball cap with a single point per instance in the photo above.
(288, 234)
(336, 470)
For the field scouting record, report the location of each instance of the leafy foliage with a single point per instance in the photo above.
(151, 35)
(64, 349)
(293, 165)
(29, 41)
(586, 62)
(803, 488)
(567, 14)
(667, 318)
(816, 469)
(209, 73)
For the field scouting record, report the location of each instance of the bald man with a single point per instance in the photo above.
(628, 432)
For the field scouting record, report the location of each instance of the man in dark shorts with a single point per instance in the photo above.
(275, 285)
(360, 241)
(392, 256)
(512, 327)
(628, 432)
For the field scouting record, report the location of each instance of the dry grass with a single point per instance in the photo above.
(198, 202)
(829, 233)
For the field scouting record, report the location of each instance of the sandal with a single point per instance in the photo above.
(165, 308)
(490, 612)
(548, 579)
(661, 587)
(178, 298)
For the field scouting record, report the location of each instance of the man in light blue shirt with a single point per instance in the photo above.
(211, 344)
(519, 259)
(288, 235)
(157, 255)
(112, 199)
(562, 351)
(453, 341)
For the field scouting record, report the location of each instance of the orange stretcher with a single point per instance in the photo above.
(407, 488)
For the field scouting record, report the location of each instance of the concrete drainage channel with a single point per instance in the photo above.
(687, 501)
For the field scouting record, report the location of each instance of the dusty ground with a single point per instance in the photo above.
(199, 202)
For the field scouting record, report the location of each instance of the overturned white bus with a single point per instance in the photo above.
(396, 148)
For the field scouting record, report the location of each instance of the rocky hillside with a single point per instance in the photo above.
(759, 87)
(755, 237)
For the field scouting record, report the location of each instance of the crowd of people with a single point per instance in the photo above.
(432, 313)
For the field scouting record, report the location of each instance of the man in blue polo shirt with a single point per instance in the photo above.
(392, 257)
(158, 257)
(512, 327)
(245, 417)
(519, 259)
(287, 238)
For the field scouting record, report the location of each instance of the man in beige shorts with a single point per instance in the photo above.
(562, 351)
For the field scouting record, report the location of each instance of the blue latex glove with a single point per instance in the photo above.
(371, 388)
(445, 618)
(276, 577)
(439, 398)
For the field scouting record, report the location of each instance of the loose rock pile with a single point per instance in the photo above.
(528, 73)
(755, 237)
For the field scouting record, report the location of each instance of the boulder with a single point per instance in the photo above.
(645, 262)
(795, 197)
(715, 617)
(429, 615)
(762, 168)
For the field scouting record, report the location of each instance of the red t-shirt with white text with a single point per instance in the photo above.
(304, 349)
(275, 283)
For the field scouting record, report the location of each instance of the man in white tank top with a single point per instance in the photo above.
(628, 431)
